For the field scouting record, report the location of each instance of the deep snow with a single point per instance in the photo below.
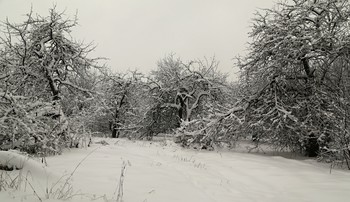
(164, 172)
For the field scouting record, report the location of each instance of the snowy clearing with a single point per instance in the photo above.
(162, 171)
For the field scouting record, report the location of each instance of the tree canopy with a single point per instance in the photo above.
(296, 75)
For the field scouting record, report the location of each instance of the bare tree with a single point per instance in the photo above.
(290, 71)
(41, 64)
(123, 102)
(188, 93)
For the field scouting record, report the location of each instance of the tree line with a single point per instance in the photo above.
(292, 94)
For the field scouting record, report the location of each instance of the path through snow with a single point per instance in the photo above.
(164, 172)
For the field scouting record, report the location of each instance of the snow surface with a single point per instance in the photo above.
(164, 172)
(12, 159)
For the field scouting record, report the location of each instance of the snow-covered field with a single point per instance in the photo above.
(163, 172)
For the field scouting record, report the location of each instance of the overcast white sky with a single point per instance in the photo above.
(135, 34)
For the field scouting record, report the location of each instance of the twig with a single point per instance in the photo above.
(36, 194)
(121, 183)
(72, 173)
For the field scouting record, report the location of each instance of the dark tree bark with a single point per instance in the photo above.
(115, 129)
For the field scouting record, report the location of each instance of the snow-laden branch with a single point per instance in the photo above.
(172, 105)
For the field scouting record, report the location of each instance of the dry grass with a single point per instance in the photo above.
(61, 189)
(120, 187)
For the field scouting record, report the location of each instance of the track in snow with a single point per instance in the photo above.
(159, 173)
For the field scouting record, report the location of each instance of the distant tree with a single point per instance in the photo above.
(187, 93)
(188, 85)
(123, 103)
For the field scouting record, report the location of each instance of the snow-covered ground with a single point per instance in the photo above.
(164, 172)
